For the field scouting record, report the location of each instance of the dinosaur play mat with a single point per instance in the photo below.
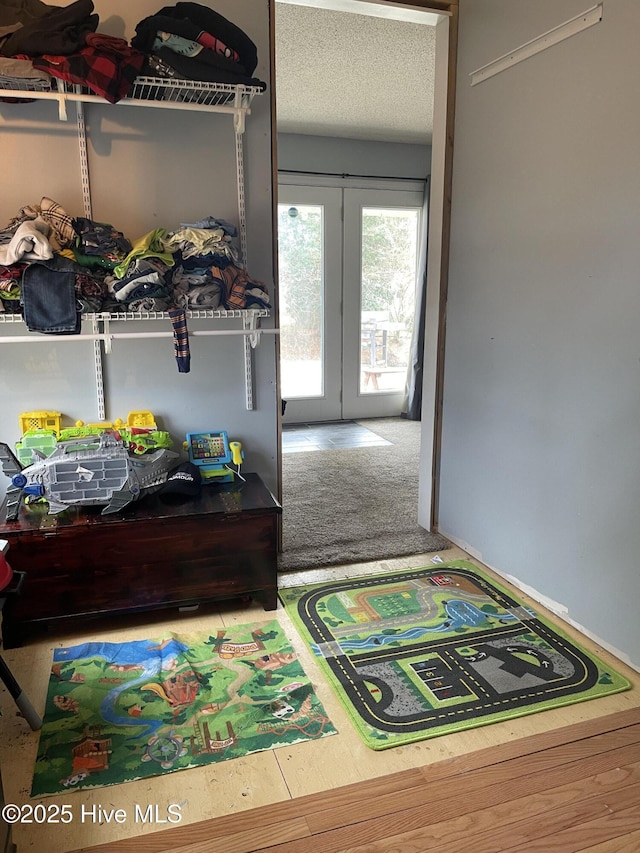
(116, 712)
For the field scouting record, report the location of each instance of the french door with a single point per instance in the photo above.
(348, 260)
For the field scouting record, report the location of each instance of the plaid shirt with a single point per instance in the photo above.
(238, 289)
(180, 339)
(106, 65)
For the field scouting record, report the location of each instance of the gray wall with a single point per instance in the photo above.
(302, 153)
(540, 453)
(149, 169)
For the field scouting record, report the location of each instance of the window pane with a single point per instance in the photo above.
(388, 285)
(301, 293)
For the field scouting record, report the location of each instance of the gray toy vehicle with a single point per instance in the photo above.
(89, 471)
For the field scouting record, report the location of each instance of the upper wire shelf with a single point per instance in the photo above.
(167, 93)
(202, 314)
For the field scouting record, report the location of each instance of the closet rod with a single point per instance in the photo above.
(107, 336)
(347, 175)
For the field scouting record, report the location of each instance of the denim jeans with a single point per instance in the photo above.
(48, 297)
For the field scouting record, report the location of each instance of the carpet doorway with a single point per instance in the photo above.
(350, 493)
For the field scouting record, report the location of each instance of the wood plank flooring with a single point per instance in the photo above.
(567, 779)
(573, 789)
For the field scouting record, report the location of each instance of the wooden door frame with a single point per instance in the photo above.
(439, 238)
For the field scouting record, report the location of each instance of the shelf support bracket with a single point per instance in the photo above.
(238, 121)
(239, 114)
(84, 160)
(97, 358)
(62, 101)
(250, 340)
(250, 324)
(242, 216)
(106, 328)
(248, 372)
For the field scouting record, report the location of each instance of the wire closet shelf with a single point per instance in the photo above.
(170, 93)
(159, 93)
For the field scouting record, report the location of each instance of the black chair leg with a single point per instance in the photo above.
(20, 698)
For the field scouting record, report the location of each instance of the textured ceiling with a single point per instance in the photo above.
(349, 75)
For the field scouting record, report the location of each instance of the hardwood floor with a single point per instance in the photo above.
(561, 780)
(574, 789)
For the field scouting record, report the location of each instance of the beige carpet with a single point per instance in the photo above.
(356, 504)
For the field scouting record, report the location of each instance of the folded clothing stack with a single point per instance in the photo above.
(188, 41)
(31, 28)
(45, 41)
(197, 43)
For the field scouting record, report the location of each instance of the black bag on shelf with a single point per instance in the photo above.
(233, 60)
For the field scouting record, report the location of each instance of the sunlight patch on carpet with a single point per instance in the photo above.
(303, 438)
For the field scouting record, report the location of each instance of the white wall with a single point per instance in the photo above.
(149, 169)
(326, 154)
(540, 447)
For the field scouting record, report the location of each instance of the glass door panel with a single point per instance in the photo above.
(388, 285)
(382, 229)
(300, 260)
(309, 281)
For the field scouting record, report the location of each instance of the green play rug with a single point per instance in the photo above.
(430, 651)
(116, 712)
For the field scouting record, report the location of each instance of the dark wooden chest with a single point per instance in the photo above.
(152, 555)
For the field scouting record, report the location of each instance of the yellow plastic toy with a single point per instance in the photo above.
(142, 419)
(40, 420)
(42, 430)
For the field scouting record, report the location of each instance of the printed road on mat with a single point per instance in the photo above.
(417, 650)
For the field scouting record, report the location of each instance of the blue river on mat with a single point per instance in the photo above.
(460, 614)
(152, 656)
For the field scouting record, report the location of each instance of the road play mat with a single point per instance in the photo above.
(430, 651)
(116, 712)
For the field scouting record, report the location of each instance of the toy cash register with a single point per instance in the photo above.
(212, 453)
